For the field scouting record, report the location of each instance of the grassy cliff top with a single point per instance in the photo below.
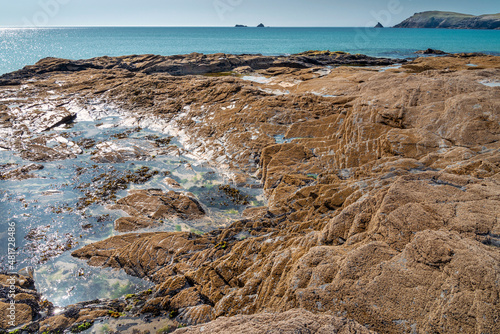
(437, 13)
(439, 19)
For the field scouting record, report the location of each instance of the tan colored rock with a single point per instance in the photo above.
(293, 321)
(20, 173)
(383, 187)
(172, 183)
(89, 315)
(56, 323)
(149, 207)
(127, 224)
(18, 314)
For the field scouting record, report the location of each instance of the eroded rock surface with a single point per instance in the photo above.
(11, 172)
(26, 300)
(148, 207)
(293, 321)
(383, 188)
(194, 63)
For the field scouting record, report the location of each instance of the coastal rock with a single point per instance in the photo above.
(431, 52)
(121, 150)
(172, 183)
(191, 64)
(41, 153)
(382, 188)
(19, 173)
(293, 321)
(22, 315)
(451, 20)
(26, 300)
(379, 25)
(148, 207)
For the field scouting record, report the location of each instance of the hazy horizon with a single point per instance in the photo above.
(225, 13)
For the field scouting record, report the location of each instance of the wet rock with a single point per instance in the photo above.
(22, 314)
(127, 224)
(57, 323)
(105, 185)
(431, 52)
(172, 183)
(119, 151)
(194, 63)
(121, 251)
(382, 186)
(26, 300)
(42, 153)
(20, 173)
(148, 207)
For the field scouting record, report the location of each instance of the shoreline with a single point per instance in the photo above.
(357, 190)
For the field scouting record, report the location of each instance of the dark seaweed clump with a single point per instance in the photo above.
(127, 133)
(160, 141)
(86, 143)
(222, 196)
(236, 196)
(104, 187)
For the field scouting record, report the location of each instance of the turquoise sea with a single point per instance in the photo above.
(24, 46)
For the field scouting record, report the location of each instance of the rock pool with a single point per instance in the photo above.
(63, 205)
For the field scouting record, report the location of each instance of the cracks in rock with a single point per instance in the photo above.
(435, 181)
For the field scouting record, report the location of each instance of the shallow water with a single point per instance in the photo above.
(49, 225)
(491, 83)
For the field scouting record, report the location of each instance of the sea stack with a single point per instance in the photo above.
(240, 26)
(261, 26)
(379, 25)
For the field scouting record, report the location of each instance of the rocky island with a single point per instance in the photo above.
(382, 180)
(451, 20)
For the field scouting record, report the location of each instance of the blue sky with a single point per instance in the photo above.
(330, 13)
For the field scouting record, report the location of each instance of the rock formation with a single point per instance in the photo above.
(450, 20)
(192, 64)
(383, 189)
(290, 322)
(379, 25)
(431, 52)
(149, 207)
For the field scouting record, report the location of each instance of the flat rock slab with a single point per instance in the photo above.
(148, 207)
(293, 321)
(20, 173)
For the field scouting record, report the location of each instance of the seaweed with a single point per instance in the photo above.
(104, 187)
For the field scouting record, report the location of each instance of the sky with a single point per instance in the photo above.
(276, 13)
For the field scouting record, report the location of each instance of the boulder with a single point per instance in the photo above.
(293, 321)
(431, 52)
(148, 207)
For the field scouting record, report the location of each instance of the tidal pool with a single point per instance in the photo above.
(58, 211)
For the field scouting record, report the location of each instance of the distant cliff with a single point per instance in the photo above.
(450, 20)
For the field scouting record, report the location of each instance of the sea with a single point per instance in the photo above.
(24, 46)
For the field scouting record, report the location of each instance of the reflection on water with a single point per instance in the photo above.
(51, 221)
(66, 281)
